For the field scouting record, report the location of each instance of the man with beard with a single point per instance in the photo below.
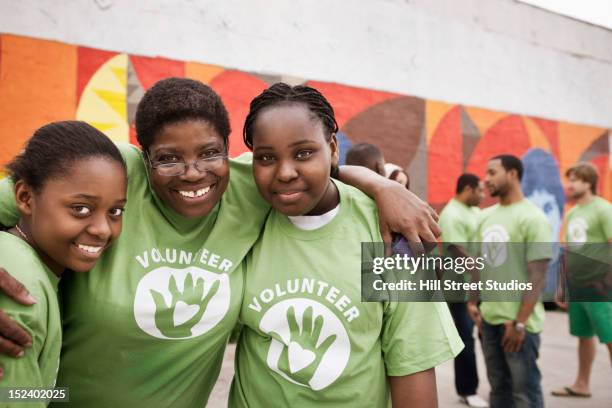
(511, 235)
(588, 232)
(458, 221)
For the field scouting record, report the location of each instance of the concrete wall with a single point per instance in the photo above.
(497, 54)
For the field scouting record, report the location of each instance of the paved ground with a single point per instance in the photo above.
(558, 364)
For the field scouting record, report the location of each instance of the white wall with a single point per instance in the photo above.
(497, 54)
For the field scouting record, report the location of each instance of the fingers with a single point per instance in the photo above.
(318, 326)
(14, 336)
(326, 344)
(307, 320)
(14, 289)
(433, 214)
(172, 287)
(386, 235)
(158, 298)
(292, 321)
(9, 348)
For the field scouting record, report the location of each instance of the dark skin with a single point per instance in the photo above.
(400, 211)
(293, 156)
(84, 207)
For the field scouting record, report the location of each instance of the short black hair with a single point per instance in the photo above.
(281, 93)
(174, 100)
(467, 180)
(55, 147)
(510, 162)
(361, 153)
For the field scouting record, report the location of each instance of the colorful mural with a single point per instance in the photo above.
(42, 81)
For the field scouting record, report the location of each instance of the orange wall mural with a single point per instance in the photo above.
(43, 81)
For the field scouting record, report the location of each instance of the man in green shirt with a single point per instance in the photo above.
(512, 234)
(458, 222)
(588, 230)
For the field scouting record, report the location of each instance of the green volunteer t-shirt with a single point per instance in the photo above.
(458, 223)
(510, 237)
(149, 324)
(38, 368)
(590, 222)
(307, 338)
(588, 228)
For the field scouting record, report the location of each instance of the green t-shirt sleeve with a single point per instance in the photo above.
(242, 191)
(9, 214)
(25, 371)
(605, 217)
(132, 156)
(454, 231)
(417, 336)
(538, 238)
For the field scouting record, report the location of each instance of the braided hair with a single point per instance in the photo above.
(281, 93)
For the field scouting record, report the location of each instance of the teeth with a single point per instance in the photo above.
(90, 249)
(192, 194)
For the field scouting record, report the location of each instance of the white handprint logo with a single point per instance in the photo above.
(181, 303)
(309, 346)
(493, 248)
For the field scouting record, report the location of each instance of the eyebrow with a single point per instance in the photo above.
(173, 149)
(299, 142)
(85, 196)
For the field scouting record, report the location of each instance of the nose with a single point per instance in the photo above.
(286, 172)
(100, 227)
(192, 174)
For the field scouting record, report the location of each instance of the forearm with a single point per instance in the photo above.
(537, 275)
(415, 390)
(362, 179)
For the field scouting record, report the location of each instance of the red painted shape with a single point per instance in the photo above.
(445, 163)
(237, 90)
(507, 136)
(150, 70)
(89, 61)
(550, 128)
(348, 101)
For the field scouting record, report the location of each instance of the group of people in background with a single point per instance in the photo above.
(510, 331)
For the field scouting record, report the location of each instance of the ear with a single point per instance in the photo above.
(335, 150)
(24, 196)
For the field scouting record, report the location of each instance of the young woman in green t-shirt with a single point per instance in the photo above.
(308, 339)
(70, 188)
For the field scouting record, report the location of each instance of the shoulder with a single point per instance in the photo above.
(133, 157)
(25, 266)
(358, 200)
(603, 205)
(531, 212)
(362, 209)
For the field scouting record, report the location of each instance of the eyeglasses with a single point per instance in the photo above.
(203, 165)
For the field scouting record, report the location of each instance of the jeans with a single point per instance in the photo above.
(466, 375)
(514, 377)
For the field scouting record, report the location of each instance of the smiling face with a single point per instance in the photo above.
(292, 160)
(193, 194)
(74, 218)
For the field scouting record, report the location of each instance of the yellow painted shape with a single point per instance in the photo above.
(104, 99)
(434, 112)
(484, 119)
(537, 138)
